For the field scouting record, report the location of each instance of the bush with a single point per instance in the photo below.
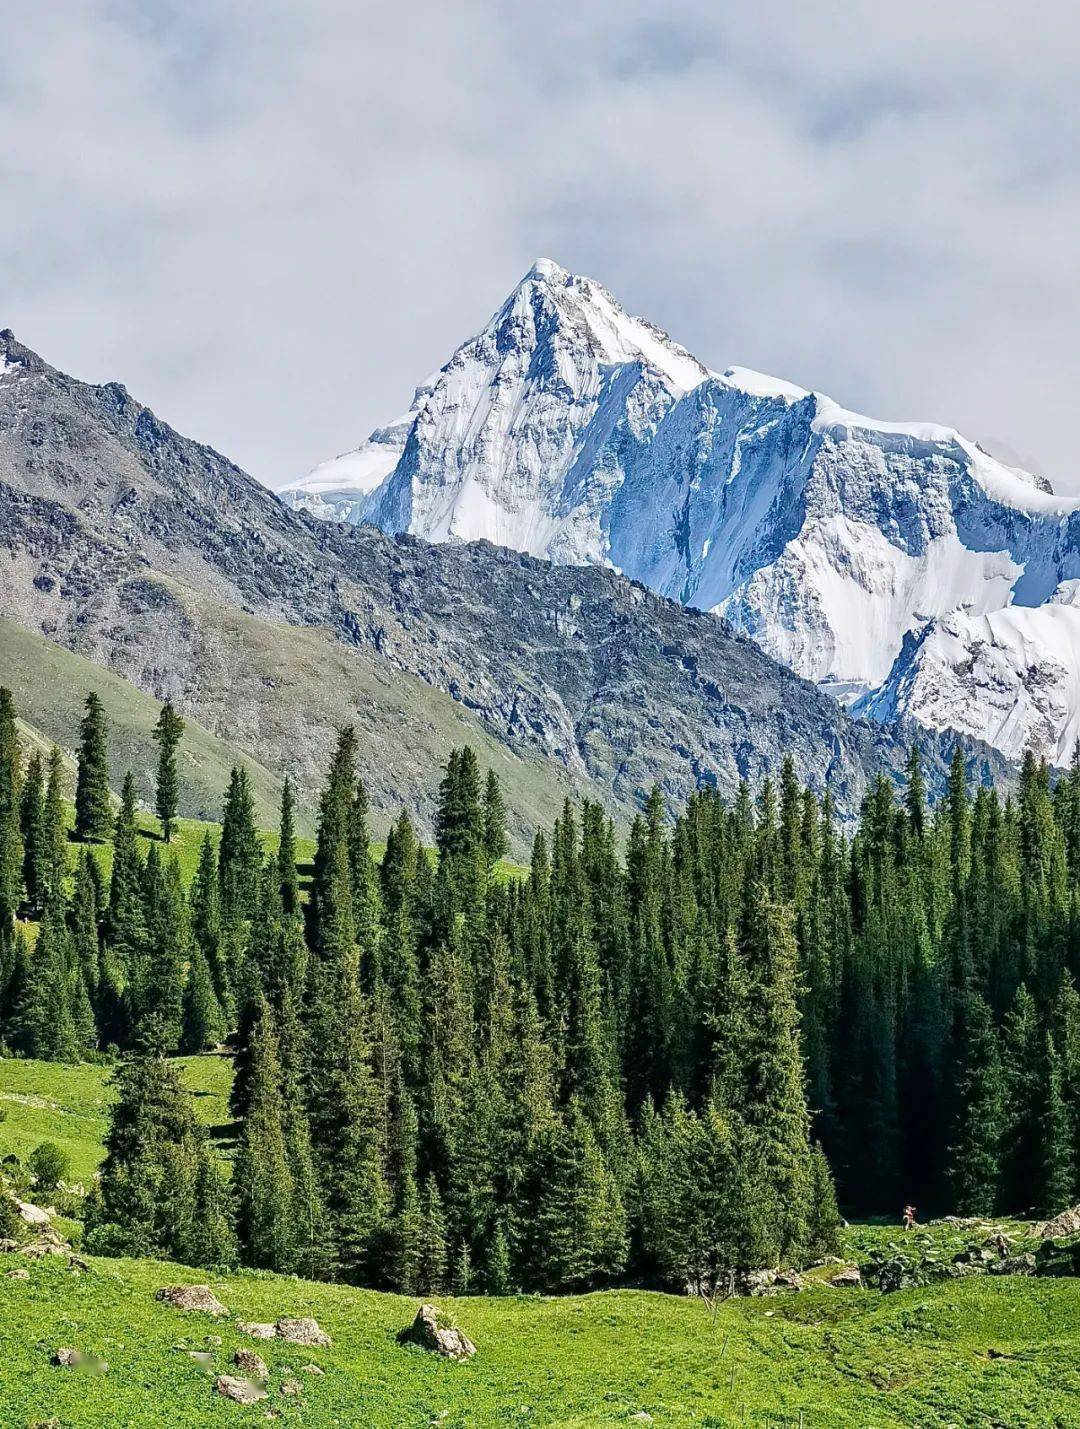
(50, 1165)
(11, 1223)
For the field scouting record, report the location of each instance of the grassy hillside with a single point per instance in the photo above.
(980, 1351)
(288, 689)
(53, 1101)
(50, 684)
(974, 1352)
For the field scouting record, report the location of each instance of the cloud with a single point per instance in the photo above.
(271, 221)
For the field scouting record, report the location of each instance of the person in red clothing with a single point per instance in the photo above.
(909, 1218)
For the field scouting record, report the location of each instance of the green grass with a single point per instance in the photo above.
(51, 1101)
(185, 844)
(975, 1352)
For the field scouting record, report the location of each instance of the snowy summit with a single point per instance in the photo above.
(897, 562)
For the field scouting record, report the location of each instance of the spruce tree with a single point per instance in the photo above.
(286, 856)
(156, 1186)
(54, 831)
(168, 732)
(495, 840)
(93, 816)
(35, 875)
(203, 1020)
(431, 1256)
(262, 1178)
(239, 853)
(978, 1149)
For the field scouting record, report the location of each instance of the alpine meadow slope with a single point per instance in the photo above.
(160, 560)
(891, 560)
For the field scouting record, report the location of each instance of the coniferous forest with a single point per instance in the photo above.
(663, 1058)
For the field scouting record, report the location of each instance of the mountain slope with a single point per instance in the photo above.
(567, 429)
(159, 559)
(49, 685)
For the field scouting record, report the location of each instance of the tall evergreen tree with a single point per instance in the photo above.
(168, 732)
(93, 816)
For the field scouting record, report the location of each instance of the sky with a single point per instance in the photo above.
(271, 219)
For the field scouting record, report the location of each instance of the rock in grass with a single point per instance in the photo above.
(434, 1330)
(850, 1279)
(756, 1282)
(251, 1364)
(68, 1358)
(1014, 1265)
(31, 1214)
(292, 1387)
(39, 1249)
(191, 1297)
(243, 1391)
(258, 1330)
(311, 1369)
(1065, 1223)
(789, 1280)
(304, 1331)
(18, 1274)
(8, 1246)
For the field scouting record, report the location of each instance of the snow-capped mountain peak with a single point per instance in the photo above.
(883, 558)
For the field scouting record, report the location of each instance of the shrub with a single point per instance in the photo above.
(11, 1223)
(50, 1165)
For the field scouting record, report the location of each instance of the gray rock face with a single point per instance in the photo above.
(243, 1391)
(850, 1279)
(1065, 1223)
(191, 1297)
(256, 1329)
(251, 1364)
(434, 1330)
(159, 558)
(304, 1331)
(1014, 1265)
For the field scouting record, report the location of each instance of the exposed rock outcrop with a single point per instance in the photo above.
(191, 1297)
(433, 1329)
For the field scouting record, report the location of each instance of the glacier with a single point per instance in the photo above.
(897, 563)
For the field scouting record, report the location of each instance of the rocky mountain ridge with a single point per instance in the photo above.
(160, 559)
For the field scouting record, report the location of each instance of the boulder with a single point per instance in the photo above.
(756, 1282)
(243, 1391)
(38, 1249)
(8, 1246)
(1014, 1265)
(191, 1297)
(18, 1274)
(251, 1364)
(257, 1329)
(850, 1279)
(31, 1214)
(788, 1280)
(1065, 1223)
(68, 1358)
(303, 1331)
(291, 1387)
(434, 1330)
(76, 1263)
(311, 1369)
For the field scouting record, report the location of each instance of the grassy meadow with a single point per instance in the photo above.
(981, 1351)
